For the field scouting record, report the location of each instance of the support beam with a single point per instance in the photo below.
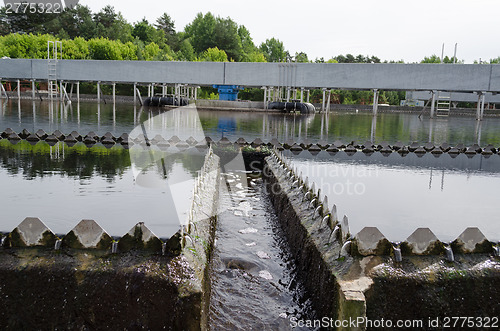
(328, 102)
(301, 94)
(478, 109)
(114, 93)
(19, 89)
(33, 89)
(287, 94)
(308, 94)
(78, 92)
(433, 104)
(483, 95)
(375, 101)
(323, 100)
(135, 94)
(98, 92)
(265, 96)
(61, 90)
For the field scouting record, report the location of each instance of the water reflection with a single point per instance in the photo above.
(399, 195)
(337, 125)
(62, 185)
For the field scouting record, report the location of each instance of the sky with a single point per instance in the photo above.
(405, 30)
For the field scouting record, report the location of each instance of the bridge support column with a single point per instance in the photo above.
(480, 106)
(78, 92)
(433, 103)
(308, 94)
(135, 94)
(19, 89)
(32, 89)
(98, 92)
(323, 101)
(265, 96)
(287, 94)
(114, 93)
(61, 90)
(328, 102)
(301, 94)
(375, 101)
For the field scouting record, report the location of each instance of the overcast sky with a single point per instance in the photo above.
(389, 29)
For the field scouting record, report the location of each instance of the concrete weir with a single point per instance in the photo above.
(364, 278)
(88, 280)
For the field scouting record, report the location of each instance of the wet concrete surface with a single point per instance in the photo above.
(253, 277)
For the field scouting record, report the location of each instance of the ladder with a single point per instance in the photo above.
(443, 104)
(54, 52)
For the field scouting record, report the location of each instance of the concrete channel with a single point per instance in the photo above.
(89, 280)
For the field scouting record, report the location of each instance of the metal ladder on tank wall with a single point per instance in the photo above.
(443, 104)
(54, 52)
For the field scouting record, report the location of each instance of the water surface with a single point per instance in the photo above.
(400, 194)
(337, 125)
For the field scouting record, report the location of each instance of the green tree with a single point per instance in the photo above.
(214, 55)
(145, 32)
(301, 57)
(201, 32)
(165, 24)
(151, 52)
(273, 50)
(227, 38)
(75, 49)
(186, 51)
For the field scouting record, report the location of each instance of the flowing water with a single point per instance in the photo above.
(253, 275)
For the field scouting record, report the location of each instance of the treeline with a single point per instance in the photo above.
(106, 35)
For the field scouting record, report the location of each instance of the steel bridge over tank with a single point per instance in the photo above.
(277, 79)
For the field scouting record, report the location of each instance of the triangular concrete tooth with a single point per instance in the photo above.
(87, 234)
(472, 240)
(59, 135)
(257, 142)
(140, 238)
(24, 134)
(7, 132)
(423, 242)
(191, 141)
(14, 136)
(174, 140)
(33, 137)
(370, 241)
(41, 134)
(224, 142)
(31, 232)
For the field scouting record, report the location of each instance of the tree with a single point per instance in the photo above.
(186, 51)
(227, 38)
(301, 57)
(143, 31)
(165, 24)
(273, 50)
(201, 32)
(214, 55)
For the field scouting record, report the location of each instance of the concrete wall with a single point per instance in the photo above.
(394, 76)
